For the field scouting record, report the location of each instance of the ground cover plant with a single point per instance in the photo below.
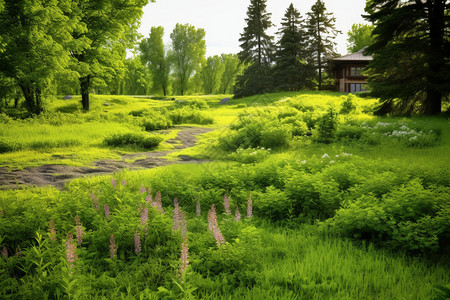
(306, 196)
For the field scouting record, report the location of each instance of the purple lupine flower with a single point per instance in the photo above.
(184, 257)
(70, 251)
(142, 190)
(52, 230)
(5, 252)
(237, 215)
(124, 182)
(144, 216)
(158, 202)
(198, 209)
(226, 204)
(249, 207)
(106, 208)
(113, 182)
(212, 218)
(149, 198)
(95, 201)
(79, 230)
(218, 236)
(137, 243)
(112, 246)
(179, 220)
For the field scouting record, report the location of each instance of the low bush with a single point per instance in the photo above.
(188, 115)
(134, 139)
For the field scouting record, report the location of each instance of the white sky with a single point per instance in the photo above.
(224, 20)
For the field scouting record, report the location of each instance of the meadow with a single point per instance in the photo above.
(304, 195)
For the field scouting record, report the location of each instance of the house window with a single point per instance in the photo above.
(355, 71)
(355, 87)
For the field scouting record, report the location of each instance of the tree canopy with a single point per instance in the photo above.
(410, 54)
(187, 53)
(359, 36)
(154, 56)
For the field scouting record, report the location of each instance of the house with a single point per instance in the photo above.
(348, 72)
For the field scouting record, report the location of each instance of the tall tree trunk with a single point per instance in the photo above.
(16, 102)
(85, 83)
(319, 55)
(436, 22)
(28, 94)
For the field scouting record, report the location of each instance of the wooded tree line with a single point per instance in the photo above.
(77, 47)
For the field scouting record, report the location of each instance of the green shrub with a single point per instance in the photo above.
(348, 106)
(273, 204)
(250, 155)
(187, 115)
(156, 122)
(298, 128)
(8, 146)
(135, 139)
(327, 127)
(274, 137)
(194, 104)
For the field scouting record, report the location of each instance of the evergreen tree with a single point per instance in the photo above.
(257, 48)
(322, 32)
(411, 52)
(292, 72)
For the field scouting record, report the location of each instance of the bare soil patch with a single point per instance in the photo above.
(58, 175)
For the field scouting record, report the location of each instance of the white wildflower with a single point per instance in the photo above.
(325, 156)
(332, 161)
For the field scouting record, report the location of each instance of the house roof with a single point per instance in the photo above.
(357, 56)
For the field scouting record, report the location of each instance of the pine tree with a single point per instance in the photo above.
(411, 54)
(257, 48)
(322, 32)
(292, 72)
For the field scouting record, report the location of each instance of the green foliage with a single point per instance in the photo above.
(348, 105)
(410, 65)
(188, 51)
(322, 32)
(327, 127)
(187, 115)
(359, 36)
(134, 139)
(153, 55)
(211, 72)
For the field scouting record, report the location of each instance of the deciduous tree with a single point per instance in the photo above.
(107, 23)
(232, 68)
(212, 70)
(411, 54)
(35, 37)
(187, 53)
(154, 56)
(359, 36)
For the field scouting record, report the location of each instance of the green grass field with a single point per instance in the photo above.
(334, 202)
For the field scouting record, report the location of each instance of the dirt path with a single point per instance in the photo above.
(58, 175)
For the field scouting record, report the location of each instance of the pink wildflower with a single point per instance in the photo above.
(249, 207)
(113, 182)
(149, 198)
(226, 204)
(106, 207)
(5, 252)
(112, 246)
(95, 201)
(158, 203)
(237, 215)
(142, 190)
(214, 227)
(137, 243)
(79, 230)
(184, 257)
(70, 251)
(197, 209)
(179, 219)
(52, 230)
(144, 216)
(124, 182)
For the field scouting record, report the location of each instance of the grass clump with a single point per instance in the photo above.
(133, 139)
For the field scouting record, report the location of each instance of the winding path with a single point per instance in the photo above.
(58, 175)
